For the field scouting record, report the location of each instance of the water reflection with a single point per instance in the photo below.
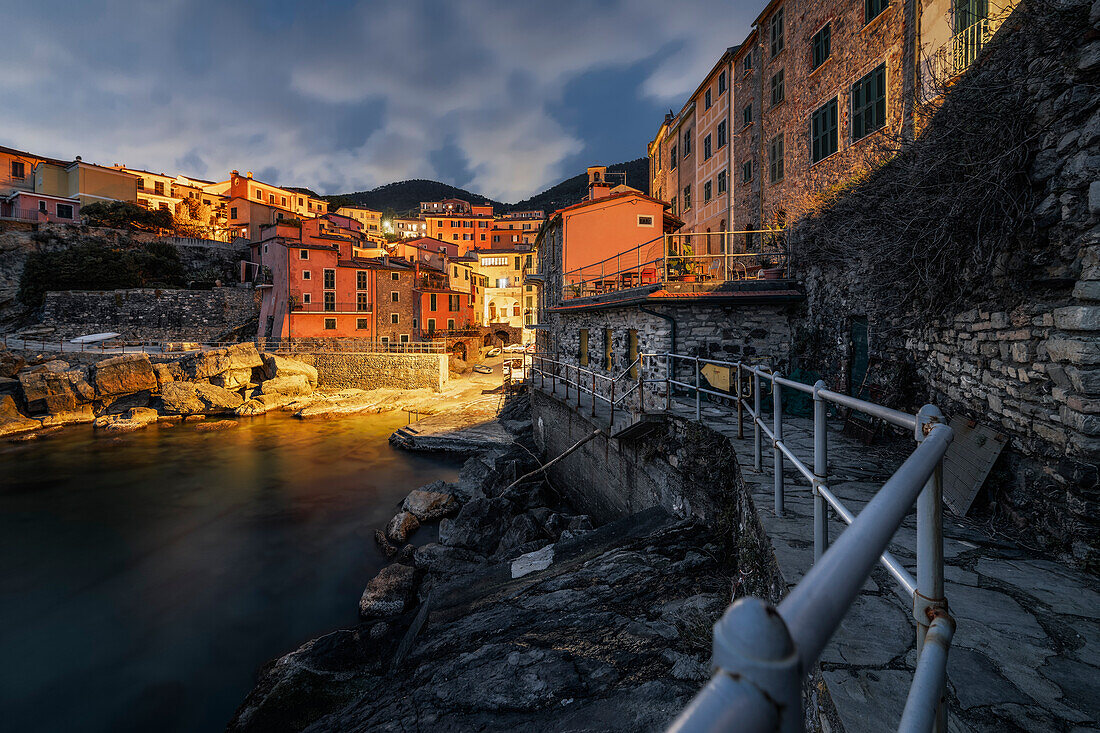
(144, 578)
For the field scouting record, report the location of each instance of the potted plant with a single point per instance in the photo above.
(770, 269)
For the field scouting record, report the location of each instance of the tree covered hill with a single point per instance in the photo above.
(404, 197)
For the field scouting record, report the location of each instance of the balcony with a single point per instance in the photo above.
(956, 56)
(697, 261)
(334, 309)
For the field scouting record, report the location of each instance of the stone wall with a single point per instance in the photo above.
(150, 314)
(373, 371)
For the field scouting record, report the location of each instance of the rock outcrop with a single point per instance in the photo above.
(280, 366)
(211, 363)
(389, 592)
(135, 418)
(191, 398)
(401, 526)
(430, 505)
(11, 421)
(288, 385)
(47, 390)
(124, 374)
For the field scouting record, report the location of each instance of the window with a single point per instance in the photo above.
(707, 148)
(431, 325)
(303, 254)
(674, 209)
(395, 318)
(432, 299)
(453, 302)
(158, 188)
(404, 338)
(746, 115)
(723, 136)
(820, 46)
(283, 200)
(869, 103)
(777, 87)
(823, 131)
(385, 340)
(707, 103)
(775, 32)
(330, 300)
(233, 212)
(607, 338)
(645, 220)
(672, 157)
(271, 198)
(361, 280)
(721, 82)
(394, 276)
(19, 170)
(362, 324)
(362, 301)
(306, 274)
(873, 8)
(259, 195)
(582, 348)
(707, 189)
(746, 64)
(64, 211)
(517, 260)
(163, 206)
(746, 171)
(722, 185)
(687, 197)
(329, 279)
(395, 297)
(775, 159)
(685, 145)
(307, 298)
(330, 324)
(415, 324)
(450, 324)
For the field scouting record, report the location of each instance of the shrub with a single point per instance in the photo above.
(125, 215)
(94, 265)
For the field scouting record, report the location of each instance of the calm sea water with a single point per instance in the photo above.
(145, 578)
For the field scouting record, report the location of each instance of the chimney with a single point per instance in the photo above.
(234, 173)
(249, 174)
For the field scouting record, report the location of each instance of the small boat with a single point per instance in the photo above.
(482, 369)
(493, 352)
(93, 338)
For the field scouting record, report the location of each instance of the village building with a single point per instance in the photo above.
(371, 220)
(86, 182)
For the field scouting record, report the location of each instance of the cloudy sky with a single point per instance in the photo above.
(502, 98)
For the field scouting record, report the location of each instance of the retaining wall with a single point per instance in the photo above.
(373, 371)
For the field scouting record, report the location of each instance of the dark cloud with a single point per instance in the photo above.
(503, 97)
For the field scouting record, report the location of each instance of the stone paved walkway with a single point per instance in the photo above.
(1026, 653)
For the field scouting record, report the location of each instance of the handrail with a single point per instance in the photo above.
(762, 653)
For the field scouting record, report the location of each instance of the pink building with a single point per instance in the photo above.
(39, 207)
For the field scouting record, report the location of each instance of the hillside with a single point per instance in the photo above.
(405, 196)
(573, 190)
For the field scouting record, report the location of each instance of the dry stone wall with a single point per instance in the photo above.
(373, 371)
(150, 314)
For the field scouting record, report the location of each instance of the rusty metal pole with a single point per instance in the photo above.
(578, 388)
(668, 382)
(929, 596)
(821, 470)
(756, 441)
(698, 394)
(777, 431)
(641, 384)
(611, 421)
(593, 393)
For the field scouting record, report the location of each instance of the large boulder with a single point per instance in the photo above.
(281, 366)
(135, 418)
(47, 391)
(262, 403)
(447, 561)
(289, 385)
(523, 529)
(10, 363)
(479, 526)
(232, 378)
(168, 372)
(191, 398)
(11, 421)
(124, 375)
(429, 505)
(401, 526)
(389, 592)
(216, 361)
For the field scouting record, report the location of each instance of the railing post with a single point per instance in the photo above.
(777, 431)
(641, 384)
(929, 594)
(821, 470)
(756, 441)
(611, 420)
(698, 394)
(578, 388)
(593, 393)
(740, 411)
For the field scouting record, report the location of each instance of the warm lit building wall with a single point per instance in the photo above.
(467, 230)
(745, 168)
(84, 181)
(17, 170)
(369, 218)
(397, 304)
(711, 148)
(597, 230)
(445, 310)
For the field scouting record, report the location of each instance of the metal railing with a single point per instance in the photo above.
(956, 56)
(332, 308)
(761, 653)
(590, 382)
(695, 257)
(292, 346)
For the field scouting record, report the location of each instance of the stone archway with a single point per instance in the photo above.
(503, 336)
(458, 349)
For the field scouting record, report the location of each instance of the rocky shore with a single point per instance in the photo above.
(40, 394)
(524, 614)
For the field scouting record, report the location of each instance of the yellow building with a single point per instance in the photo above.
(506, 298)
(84, 181)
(369, 218)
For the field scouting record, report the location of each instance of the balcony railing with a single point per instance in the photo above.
(333, 308)
(697, 257)
(956, 56)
